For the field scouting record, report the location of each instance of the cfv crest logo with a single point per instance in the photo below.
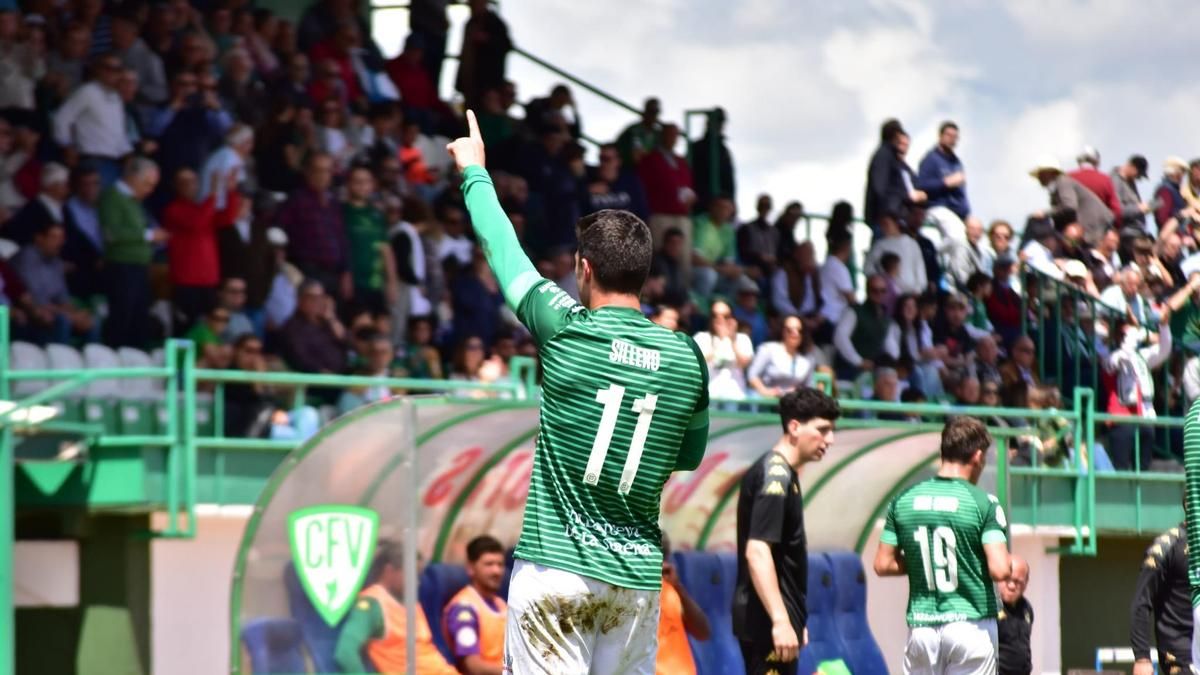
(332, 547)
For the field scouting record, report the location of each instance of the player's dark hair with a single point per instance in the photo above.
(948, 124)
(481, 546)
(804, 404)
(962, 438)
(619, 248)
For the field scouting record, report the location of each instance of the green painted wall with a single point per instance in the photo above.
(1094, 595)
(109, 632)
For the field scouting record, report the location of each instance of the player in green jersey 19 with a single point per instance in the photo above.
(950, 539)
(624, 404)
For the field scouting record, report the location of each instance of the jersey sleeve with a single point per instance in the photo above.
(515, 273)
(995, 524)
(546, 309)
(888, 536)
(695, 437)
(462, 625)
(767, 509)
(364, 623)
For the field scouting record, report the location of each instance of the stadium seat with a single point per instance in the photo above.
(509, 561)
(149, 388)
(439, 582)
(823, 640)
(65, 357)
(710, 578)
(274, 646)
(8, 248)
(807, 664)
(319, 638)
(103, 395)
(850, 615)
(27, 356)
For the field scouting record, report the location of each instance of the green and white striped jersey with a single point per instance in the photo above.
(940, 526)
(619, 395)
(1191, 492)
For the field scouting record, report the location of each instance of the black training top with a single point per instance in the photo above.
(1015, 626)
(771, 509)
(1163, 597)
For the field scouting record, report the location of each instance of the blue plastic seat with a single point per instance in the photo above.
(274, 645)
(439, 582)
(710, 578)
(319, 637)
(824, 641)
(863, 656)
(509, 562)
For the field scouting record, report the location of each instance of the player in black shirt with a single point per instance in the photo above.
(769, 612)
(1014, 626)
(1163, 598)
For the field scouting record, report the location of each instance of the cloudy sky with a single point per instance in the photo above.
(807, 84)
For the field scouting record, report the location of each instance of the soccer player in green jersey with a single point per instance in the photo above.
(1191, 503)
(624, 404)
(950, 539)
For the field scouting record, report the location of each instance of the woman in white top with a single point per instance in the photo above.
(910, 338)
(727, 352)
(1134, 392)
(780, 367)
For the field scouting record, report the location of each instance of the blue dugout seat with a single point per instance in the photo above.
(824, 641)
(319, 637)
(710, 579)
(274, 646)
(438, 583)
(862, 653)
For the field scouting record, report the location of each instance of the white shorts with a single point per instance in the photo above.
(561, 623)
(960, 648)
(1195, 639)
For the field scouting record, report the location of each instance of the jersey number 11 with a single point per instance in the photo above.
(644, 407)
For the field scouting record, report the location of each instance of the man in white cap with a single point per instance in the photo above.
(1168, 196)
(1090, 175)
(46, 209)
(1067, 193)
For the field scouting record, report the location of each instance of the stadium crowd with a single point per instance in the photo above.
(280, 193)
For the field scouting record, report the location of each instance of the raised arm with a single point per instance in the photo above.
(513, 268)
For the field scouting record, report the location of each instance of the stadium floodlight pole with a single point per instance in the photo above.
(7, 515)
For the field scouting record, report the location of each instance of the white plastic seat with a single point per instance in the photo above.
(27, 356)
(147, 388)
(66, 357)
(100, 356)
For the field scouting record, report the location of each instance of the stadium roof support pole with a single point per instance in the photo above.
(8, 618)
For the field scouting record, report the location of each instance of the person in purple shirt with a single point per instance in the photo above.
(474, 618)
(312, 219)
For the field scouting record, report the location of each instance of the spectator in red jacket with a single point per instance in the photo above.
(1095, 180)
(667, 180)
(192, 249)
(1004, 304)
(418, 93)
(339, 48)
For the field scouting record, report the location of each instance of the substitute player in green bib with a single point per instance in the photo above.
(950, 539)
(623, 405)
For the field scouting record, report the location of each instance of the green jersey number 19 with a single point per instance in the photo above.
(942, 572)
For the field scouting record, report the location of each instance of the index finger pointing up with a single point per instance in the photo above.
(473, 126)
